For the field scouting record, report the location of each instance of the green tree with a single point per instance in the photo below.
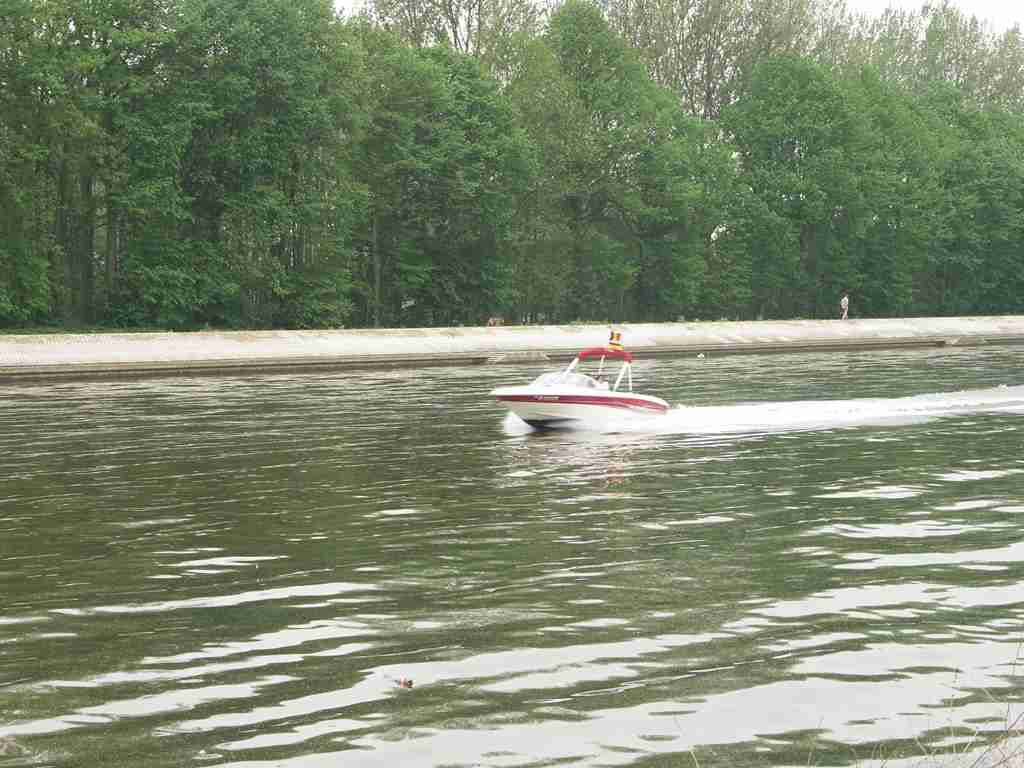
(638, 178)
(802, 140)
(447, 164)
(904, 196)
(975, 260)
(270, 199)
(542, 243)
(28, 77)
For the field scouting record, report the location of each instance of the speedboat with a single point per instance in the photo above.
(569, 398)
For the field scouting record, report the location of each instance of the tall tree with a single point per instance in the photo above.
(446, 162)
(29, 77)
(706, 50)
(802, 138)
(903, 192)
(271, 198)
(482, 28)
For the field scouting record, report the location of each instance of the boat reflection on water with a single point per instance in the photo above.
(572, 461)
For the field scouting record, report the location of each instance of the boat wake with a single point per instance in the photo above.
(809, 415)
(831, 414)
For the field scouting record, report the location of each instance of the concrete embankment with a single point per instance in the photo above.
(128, 354)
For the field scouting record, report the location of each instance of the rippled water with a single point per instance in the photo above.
(816, 559)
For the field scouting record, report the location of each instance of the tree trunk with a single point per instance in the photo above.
(376, 274)
(85, 247)
(111, 255)
(62, 227)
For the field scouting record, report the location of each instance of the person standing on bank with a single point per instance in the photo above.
(844, 306)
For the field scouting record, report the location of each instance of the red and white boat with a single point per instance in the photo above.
(570, 398)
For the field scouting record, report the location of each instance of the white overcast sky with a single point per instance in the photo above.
(1001, 14)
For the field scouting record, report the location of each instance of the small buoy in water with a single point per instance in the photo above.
(405, 682)
(700, 355)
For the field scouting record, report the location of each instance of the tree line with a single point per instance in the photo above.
(273, 164)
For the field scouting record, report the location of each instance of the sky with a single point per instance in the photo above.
(1001, 14)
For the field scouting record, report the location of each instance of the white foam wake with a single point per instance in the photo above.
(830, 414)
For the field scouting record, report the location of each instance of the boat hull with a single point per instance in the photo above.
(567, 409)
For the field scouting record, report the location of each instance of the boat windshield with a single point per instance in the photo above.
(556, 379)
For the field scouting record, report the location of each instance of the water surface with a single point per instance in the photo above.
(814, 559)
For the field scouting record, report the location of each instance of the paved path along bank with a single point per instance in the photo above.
(120, 354)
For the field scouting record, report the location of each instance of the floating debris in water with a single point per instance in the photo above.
(9, 747)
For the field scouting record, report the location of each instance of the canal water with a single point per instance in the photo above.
(814, 559)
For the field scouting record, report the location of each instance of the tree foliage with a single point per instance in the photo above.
(268, 163)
